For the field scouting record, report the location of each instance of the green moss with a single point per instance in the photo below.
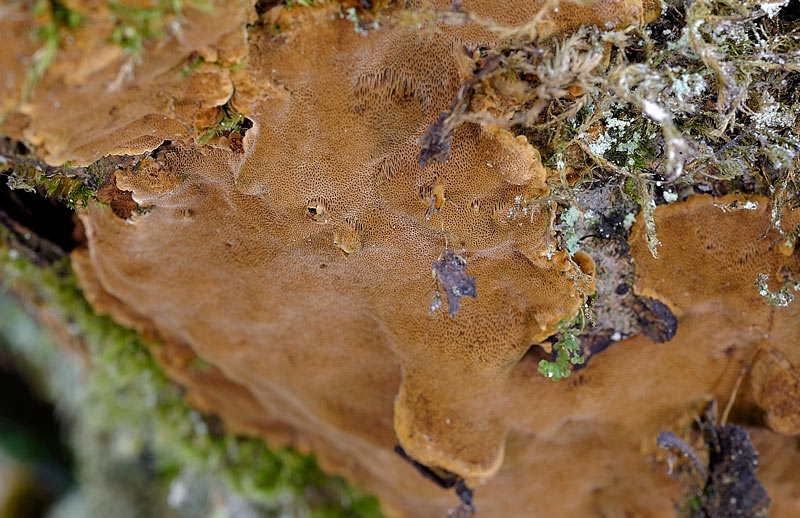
(230, 122)
(197, 363)
(690, 508)
(74, 186)
(60, 18)
(191, 67)
(127, 395)
(135, 26)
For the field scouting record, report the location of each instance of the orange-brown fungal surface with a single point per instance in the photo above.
(561, 17)
(714, 257)
(324, 371)
(776, 390)
(713, 268)
(95, 99)
(257, 283)
(16, 23)
(297, 264)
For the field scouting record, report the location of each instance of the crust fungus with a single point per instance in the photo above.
(725, 255)
(96, 98)
(240, 261)
(323, 167)
(776, 390)
(711, 258)
(263, 244)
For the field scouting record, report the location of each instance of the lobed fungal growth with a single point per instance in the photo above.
(287, 230)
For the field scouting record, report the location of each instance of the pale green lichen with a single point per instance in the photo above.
(781, 298)
(648, 206)
(629, 220)
(571, 237)
(736, 205)
(567, 350)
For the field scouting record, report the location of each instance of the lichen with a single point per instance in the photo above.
(781, 298)
(566, 351)
(675, 107)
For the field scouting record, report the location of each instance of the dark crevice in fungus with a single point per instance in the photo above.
(41, 228)
(656, 320)
(121, 202)
(440, 477)
(445, 480)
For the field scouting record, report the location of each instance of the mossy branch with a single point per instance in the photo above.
(129, 396)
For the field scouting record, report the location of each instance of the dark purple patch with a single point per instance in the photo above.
(453, 279)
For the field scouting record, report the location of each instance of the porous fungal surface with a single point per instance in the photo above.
(379, 225)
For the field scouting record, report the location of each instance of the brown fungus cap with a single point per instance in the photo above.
(316, 343)
(322, 373)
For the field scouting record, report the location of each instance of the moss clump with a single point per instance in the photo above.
(72, 188)
(136, 25)
(303, 3)
(704, 99)
(229, 123)
(190, 67)
(129, 398)
(56, 18)
(75, 186)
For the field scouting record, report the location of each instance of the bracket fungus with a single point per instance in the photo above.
(296, 258)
